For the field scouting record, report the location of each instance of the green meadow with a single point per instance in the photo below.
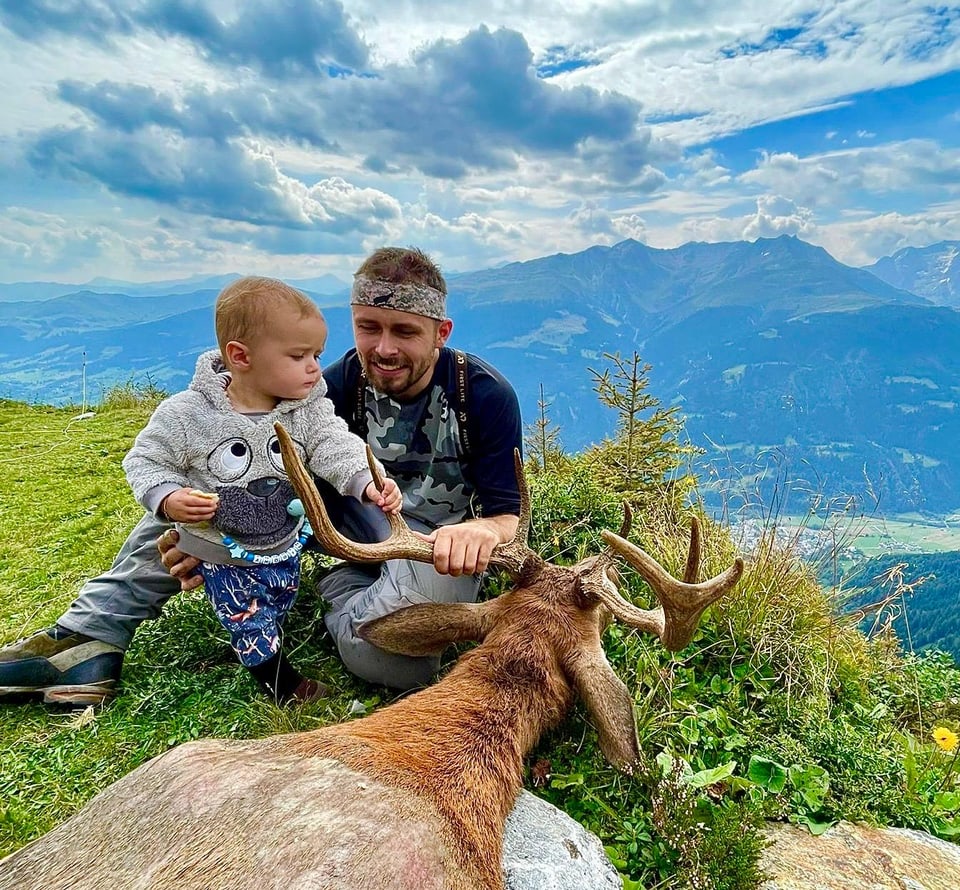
(778, 710)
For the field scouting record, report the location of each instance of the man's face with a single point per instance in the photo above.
(398, 350)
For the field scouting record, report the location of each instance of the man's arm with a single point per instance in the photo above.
(496, 432)
(461, 549)
(465, 548)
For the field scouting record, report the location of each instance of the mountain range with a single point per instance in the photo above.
(794, 372)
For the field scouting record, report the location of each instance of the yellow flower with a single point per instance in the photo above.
(945, 739)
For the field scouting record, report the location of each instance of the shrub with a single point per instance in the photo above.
(132, 395)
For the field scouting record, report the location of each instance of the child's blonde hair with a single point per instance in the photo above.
(244, 308)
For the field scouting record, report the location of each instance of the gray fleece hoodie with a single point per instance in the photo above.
(197, 439)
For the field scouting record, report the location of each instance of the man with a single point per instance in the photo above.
(397, 389)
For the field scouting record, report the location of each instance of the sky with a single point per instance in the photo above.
(143, 140)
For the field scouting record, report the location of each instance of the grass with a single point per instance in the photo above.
(65, 513)
(778, 709)
(66, 508)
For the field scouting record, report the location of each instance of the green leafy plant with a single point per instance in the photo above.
(931, 780)
(132, 394)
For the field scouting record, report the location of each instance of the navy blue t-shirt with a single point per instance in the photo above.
(418, 442)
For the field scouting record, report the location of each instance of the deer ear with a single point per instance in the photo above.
(610, 706)
(428, 628)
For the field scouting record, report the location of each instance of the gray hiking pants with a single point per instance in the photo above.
(359, 593)
(111, 606)
(135, 588)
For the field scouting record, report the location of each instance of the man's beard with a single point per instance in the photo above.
(398, 385)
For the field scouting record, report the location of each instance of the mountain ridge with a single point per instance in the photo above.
(766, 347)
(932, 271)
(44, 291)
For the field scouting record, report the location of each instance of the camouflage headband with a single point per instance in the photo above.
(420, 299)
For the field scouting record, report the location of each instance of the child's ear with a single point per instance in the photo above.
(237, 355)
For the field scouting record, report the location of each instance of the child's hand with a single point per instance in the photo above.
(190, 505)
(390, 500)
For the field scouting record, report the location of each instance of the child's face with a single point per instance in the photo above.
(284, 362)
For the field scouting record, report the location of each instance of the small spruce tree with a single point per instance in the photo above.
(542, 441)
(644, 460)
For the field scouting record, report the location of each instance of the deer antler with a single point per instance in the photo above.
(681, 602)
(402, 543)
(514, 557)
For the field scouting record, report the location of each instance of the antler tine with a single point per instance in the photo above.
(515, 557)
(523, 527)
(692, 568)
(402, 543)
(681, 602)
(627, 520)
(598, 570)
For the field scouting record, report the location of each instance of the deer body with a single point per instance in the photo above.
(460, 744)
(246, 816)
(411, 797)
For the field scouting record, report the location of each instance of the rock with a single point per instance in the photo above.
(855, 857)
(544, 849)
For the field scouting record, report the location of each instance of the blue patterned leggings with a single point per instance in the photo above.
(251, 602)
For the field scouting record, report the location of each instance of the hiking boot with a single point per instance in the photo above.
(61, 666)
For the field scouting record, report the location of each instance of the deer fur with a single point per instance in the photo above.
(411, 797)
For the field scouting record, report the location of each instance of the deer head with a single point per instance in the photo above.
(557, 611)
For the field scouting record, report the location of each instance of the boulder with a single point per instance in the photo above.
(855, 857)
(544, 849)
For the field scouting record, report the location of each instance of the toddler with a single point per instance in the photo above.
(209, 461)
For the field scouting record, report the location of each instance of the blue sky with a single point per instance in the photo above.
(144, 140)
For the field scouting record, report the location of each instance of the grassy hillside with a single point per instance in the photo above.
(65, 512)
(777, 710)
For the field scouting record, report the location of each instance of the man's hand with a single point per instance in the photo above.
(176, 562)
(465, 548)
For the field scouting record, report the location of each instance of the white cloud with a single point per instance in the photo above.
(706, 169)
(630, 226)
(726, 83)
(593, 220)
(777, 216)
(509, 194)
(74, 251)
(863, 240)
(464, 242)
(243, 164)
(916, 165)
